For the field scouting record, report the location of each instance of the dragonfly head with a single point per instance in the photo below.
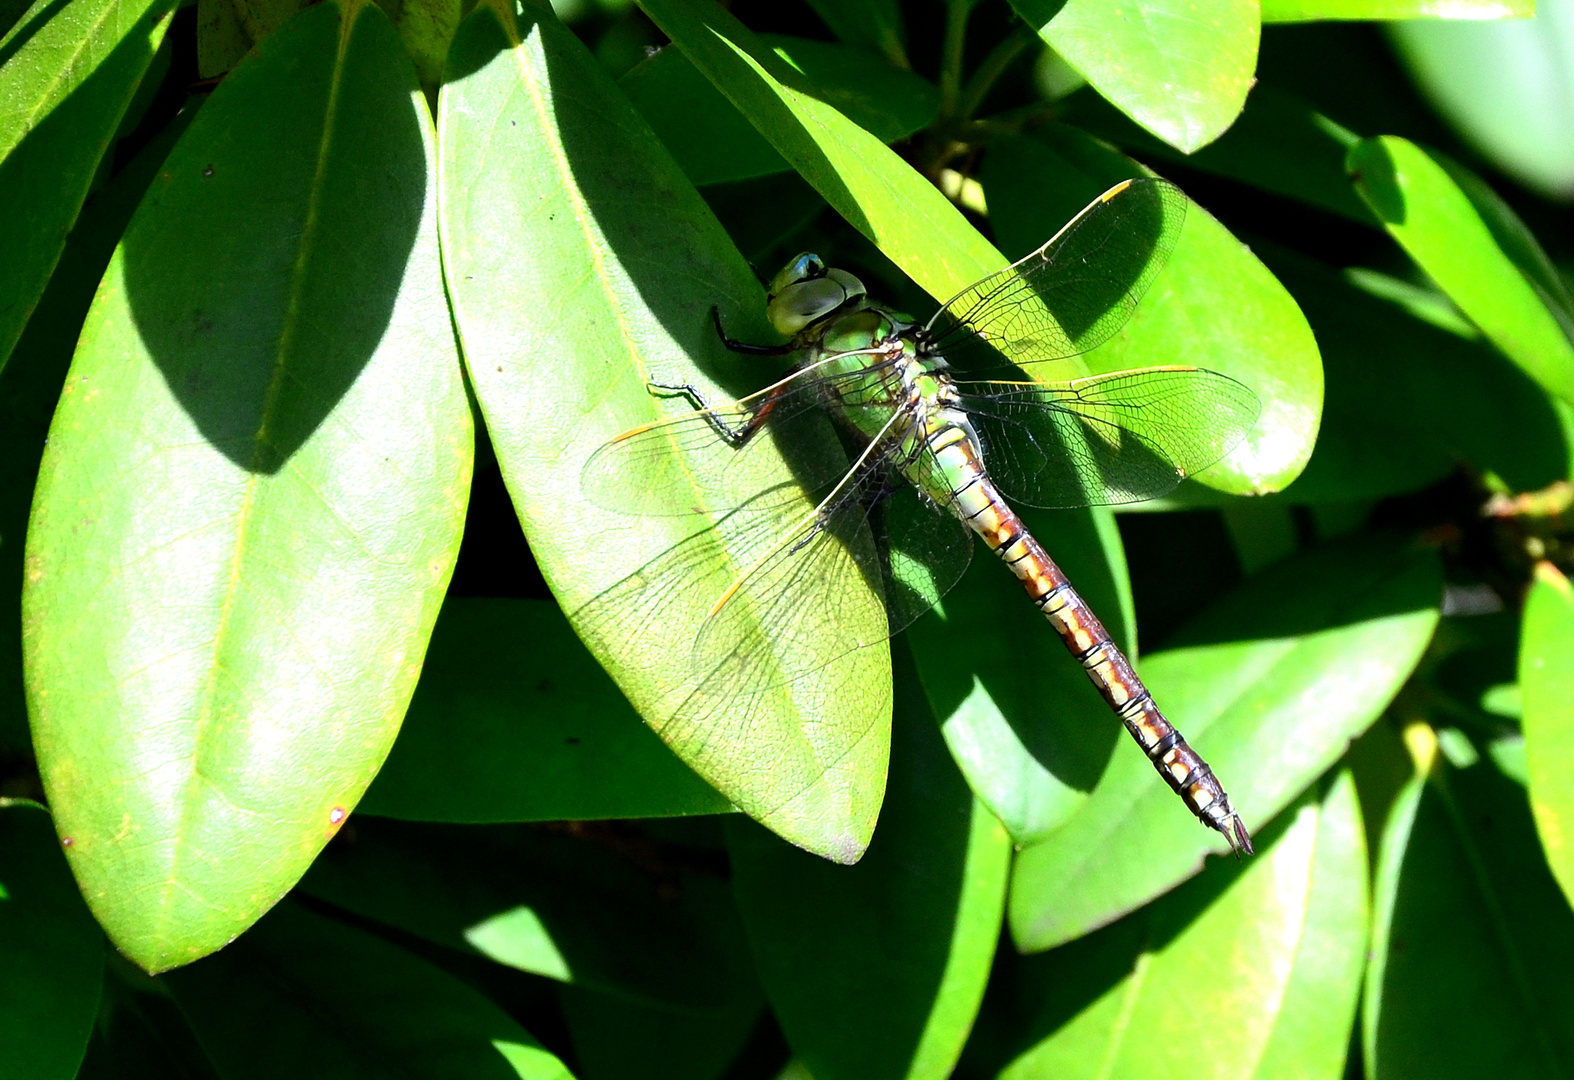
(806, 291)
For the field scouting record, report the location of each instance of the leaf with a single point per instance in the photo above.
(863, 180)
(1546, 679)
(575, 909)
(1269, 685)
(228, 29)
(1214, 306)
(1289, 927)
(514, 721)
(68, 71)
(51, 953)
(900, 944)
(714, 144)
(875, 24)
(582, 266)
(30, 385)
(1458, 864)
(1026, 727)
(1306, 10)
(1435, 222)
(254, 486)
(616, 1039)
(302, 995)
(1445, 394)
(1180, 70)
(1500, 85)
(1279, 144)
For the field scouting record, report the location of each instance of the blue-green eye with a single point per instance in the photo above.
(804, 267)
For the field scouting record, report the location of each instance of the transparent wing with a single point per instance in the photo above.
(1109, 439)
(786, 615)
(686, 463)
(1074, 293)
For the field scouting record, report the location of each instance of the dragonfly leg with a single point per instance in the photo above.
(733, 436)
(736, 346)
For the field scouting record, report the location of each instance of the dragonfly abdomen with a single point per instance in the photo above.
(973, 497)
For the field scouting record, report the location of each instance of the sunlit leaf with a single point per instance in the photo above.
(255, 484)
(1546, 679)
(578, 278)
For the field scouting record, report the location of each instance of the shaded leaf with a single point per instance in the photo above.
(613, 911)
(1444, 394)
(1436, 223)
(1180, 70)
(1458, 865)
(302, 995)
(713, 143)
(1546, 679)
(228, 29)
(514, 721)
(68, 71)
(615, 1039)
(1269, 684)
(876, 24)
(577, 279)
(254, 485)
(51, 953)
(901, 943)
(1289, 927)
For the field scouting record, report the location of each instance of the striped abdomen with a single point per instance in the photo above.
(973, 498)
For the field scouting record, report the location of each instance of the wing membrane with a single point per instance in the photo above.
(1110, 439)
(1074, 293)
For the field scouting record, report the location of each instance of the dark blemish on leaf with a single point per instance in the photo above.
(572, 740)
(544, 686)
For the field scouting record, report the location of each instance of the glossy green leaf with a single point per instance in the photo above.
(51, 953)
(1502, 85)
(578, 278)
(1269, 685)
(899, 945)
(1179, 69)
(1445, 396)
(1028, 730)
(863, 180)
(1436, 223)
(875, 24)
(513, 720)
(1463, 902)
(1280, 144)
(1214, 306)
(1306, 10)
(575, 910)
(1288, 928)
(30, 385)
(67, 73)
(302, 995)
(255, 483)
(618, 1039)
(1546, 679)
(712, 141)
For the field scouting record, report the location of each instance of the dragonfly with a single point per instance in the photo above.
(937, 457)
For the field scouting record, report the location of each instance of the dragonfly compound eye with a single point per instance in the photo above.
(806, 266)
(805, 302)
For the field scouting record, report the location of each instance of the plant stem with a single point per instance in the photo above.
(957, 12)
